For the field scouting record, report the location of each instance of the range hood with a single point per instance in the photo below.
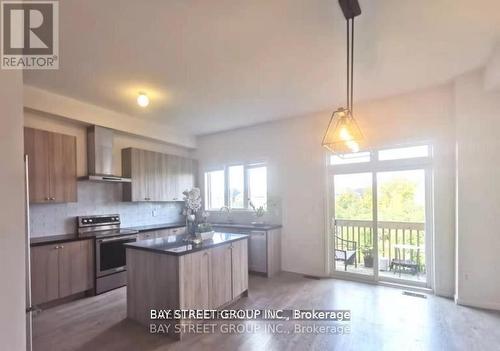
(100, 156)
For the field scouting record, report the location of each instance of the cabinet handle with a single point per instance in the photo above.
(52, 198)
(61, 247)
(47, 198)
(56, 247)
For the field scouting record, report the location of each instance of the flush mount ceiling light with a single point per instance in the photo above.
(142, 100)
(343, 134)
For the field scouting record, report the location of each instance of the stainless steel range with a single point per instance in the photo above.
(110, 258)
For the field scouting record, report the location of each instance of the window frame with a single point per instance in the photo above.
(206, 188)
(225, 168)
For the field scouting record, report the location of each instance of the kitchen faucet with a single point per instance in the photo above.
(228, 211)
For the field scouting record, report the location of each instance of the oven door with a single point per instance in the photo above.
(110, 254)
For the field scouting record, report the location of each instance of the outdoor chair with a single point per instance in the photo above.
(345, 251)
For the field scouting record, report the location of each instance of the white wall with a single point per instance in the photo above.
(296, 171)
(59, 105)
(12, 241)
(478, 192)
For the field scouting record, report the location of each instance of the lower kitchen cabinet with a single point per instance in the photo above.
(44, 273)
(221, 271)
(214, 277)
(210, 278)
(195, 284)
(239, 257)
(61, 270)
(264, 248)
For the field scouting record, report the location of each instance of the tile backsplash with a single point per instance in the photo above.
(96, 199)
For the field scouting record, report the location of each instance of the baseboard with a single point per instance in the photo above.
(483, 305)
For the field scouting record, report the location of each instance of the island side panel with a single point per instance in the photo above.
(152, 283)
(240, 267)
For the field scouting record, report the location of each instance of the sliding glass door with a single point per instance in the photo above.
(401, 200)
(380, 215)
(353, 222)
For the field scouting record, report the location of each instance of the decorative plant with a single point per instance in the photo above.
(193, 209)
(367, 252)
(204, 227)
(259, 211)
(368, 256)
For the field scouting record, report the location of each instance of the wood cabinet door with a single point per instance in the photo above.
(221, 292)
(62, 167)
(240, 266)
(154, 176)
(173, 172)
(195, 280)
(76, 272)
(134, 165)
(36, 146)
(163, 177)
(186, 175)
(44, 273)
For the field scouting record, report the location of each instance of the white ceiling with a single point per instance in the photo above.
(221, 64)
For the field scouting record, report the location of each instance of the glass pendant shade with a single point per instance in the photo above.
(343, 134)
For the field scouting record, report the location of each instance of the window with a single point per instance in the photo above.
(404, 152)
(257, 186)
(214, 189)
(235, 185)
(346, 159)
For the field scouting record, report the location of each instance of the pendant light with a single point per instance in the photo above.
(343, 134)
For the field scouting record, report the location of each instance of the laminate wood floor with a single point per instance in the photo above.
(382, 319)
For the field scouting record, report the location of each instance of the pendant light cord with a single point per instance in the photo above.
(352, 66)
(348, 75)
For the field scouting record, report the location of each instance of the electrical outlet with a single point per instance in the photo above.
(154, 213)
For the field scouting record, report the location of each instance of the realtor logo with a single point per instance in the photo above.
(30, 38)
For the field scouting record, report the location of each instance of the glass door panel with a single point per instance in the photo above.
(353, 223)
(401, 203)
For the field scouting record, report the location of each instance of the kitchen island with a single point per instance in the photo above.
(170, 273)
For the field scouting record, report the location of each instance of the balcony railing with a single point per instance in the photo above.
(390, 234)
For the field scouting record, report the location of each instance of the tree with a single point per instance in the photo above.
(396, 202)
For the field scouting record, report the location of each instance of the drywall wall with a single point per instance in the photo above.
(12, 234)
(52, 123)
(297, 170)
(478, 192)
(59, 105)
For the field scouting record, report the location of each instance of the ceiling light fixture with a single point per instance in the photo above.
(343, 134)
(142, 100)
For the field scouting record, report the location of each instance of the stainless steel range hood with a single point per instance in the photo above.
(100, 156)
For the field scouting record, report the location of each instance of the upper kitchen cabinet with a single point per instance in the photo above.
(156, 176)
(52, 166)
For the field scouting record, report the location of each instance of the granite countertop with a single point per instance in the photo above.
(145, 228)
(63, 238)
(54, 239)
(176, 245)
(248, 226)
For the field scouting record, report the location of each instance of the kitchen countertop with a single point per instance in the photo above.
(247, 226)
(64, 238)
(145, 228)
(54, 239)
(176, 246)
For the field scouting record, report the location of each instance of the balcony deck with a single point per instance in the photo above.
(397, 241)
